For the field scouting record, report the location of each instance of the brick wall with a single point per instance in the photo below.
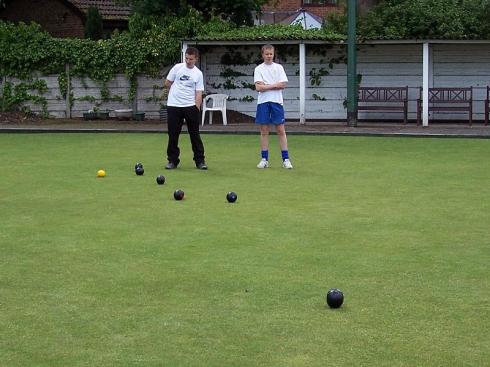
(282, 5)
(54, 16)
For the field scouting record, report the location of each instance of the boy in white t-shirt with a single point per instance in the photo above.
(186, 85)
(270, 79)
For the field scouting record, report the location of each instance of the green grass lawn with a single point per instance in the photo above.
(115, 272)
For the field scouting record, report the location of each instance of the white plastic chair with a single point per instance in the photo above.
(218, 103)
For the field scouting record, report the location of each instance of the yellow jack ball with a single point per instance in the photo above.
(100, 173)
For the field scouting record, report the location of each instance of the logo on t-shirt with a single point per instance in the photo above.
(184, 77)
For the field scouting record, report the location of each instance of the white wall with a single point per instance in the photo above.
(456, 65)
(56, 104)
(83, 87)
(463, 65)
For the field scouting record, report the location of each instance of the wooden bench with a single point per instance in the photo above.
(389, 99)
(487, 106)
(448, 100)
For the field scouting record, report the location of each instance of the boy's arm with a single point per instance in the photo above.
(199, 91)
(283, 79)
(280, 85)
(262, 87)
(169, 80)
(198, 99)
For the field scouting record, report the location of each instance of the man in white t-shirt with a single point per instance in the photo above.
(184, 102)
(270, 79)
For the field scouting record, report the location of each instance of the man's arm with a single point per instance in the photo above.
(168, 83)
(198, 99)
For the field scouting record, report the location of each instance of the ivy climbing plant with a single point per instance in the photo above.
(26, 50)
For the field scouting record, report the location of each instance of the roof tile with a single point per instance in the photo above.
(107, 8)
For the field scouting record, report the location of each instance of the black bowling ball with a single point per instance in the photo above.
(160, 180)
(335, 298)
(139, 171)
(231, 197)
(178, 194)
(139, 164)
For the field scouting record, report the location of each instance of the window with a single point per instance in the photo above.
(320, 2)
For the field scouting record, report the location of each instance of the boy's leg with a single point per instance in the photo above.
(175, 121)
(192, 119)
(263, 119)
(277, 116)
(283, 141)
(281, 133)
(264, 137)
(264, 146)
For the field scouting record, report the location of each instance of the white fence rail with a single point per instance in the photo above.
(382, 65)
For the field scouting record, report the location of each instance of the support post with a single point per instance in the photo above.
(135, 98)
(302, 83)
(4, 83)
(68, 91)
(425, 84)
(184, 47)
(351, 64)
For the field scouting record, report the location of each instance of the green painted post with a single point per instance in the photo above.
(351, 64)
(4, 85)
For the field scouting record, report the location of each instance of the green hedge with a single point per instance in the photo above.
(148, 46)
(25, 49)
(421, 19)
(272, 32)
(447, 19)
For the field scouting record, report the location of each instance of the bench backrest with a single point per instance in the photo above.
(449, 95)
(488, 93)
(382, 94)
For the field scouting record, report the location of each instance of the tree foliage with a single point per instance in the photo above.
(93, 25)
(236, 11)
(406, 19)
(271, 32)
(25, 49)
(426, 19)
(146, 48)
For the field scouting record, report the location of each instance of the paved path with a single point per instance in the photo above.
(315, 128)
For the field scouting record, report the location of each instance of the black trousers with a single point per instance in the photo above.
(176, 117)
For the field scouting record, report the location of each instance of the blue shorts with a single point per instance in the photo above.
(269, 113)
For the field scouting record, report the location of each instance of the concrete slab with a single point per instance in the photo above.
(435, 130)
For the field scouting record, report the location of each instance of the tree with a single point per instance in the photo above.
(484, 18)
(426, 19)
(237, 11)
(420, 19)
(93, 26)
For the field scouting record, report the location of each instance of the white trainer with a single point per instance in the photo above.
(287, 164)
(264, 163)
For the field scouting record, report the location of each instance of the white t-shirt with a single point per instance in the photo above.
(270, 74)
(185, 84)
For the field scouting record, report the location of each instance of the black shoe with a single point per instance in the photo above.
(170, 165)
(201, 165)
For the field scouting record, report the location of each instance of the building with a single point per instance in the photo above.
(317, 7)
(65, 18)
(302, 17)
(313, 11)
